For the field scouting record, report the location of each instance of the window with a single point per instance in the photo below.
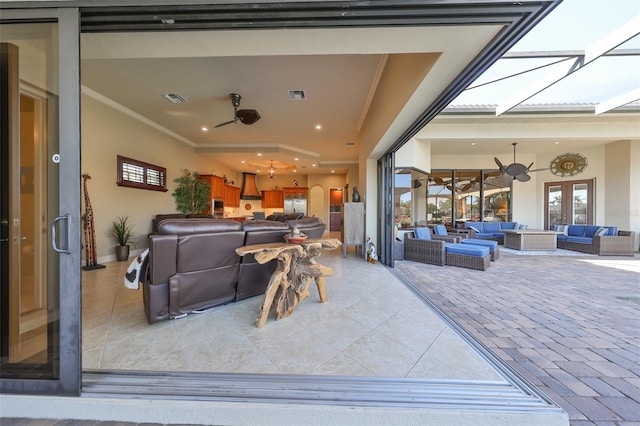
(141, 175)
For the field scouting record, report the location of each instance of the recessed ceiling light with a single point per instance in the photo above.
(258, 171)
(295, 171)
(556, 143)
(296, 159)
(242, 161)
(259, 154)
(333, 171)
(313, 165)
(473, 144)
(318, 126)
(205, 129)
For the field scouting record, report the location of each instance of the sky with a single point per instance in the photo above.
(573, 25)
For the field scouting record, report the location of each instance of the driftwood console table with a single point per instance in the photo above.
(297, 266)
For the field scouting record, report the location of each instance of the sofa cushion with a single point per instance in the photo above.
(576, 230)
(562, 237)
(491, 226)
(422, 233)
(601, 232)
(508, 225)
(476, 226)
(561, 228)
(440, 230)
(485, 235)
(468, 250)
(590, 230)
(197, 226)
(581, 240)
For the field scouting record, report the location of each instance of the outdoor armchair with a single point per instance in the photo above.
(424, 250)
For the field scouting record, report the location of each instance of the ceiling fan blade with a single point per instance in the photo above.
(523, 177)
(499, 164)
(516, 169)
(248, 116)
(537, 170)
(225, 123)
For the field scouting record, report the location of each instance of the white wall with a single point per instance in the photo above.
(107, 133)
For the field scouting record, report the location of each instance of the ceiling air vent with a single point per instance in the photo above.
(174, 98)
(297, 95)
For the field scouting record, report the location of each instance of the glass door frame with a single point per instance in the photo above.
(68, 225)
(566, 187)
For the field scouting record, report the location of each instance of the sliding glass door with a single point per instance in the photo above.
(39, 191)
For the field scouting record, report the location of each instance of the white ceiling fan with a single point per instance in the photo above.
(516, 170)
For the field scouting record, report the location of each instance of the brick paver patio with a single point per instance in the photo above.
(570, 325)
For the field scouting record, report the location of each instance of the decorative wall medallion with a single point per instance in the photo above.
(568, 164)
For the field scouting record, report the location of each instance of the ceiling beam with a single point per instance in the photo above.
(593, 52)
(618, 101)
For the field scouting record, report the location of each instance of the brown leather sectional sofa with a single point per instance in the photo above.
(193, 265)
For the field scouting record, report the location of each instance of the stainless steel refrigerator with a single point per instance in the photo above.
(295, 203)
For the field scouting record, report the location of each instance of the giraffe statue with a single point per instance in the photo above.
(91, 257)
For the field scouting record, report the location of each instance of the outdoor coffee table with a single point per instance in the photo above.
(530, 239)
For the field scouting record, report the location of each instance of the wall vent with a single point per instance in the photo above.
(297, 95)
(174, 98)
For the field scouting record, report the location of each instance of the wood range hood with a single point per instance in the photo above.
(249, 189)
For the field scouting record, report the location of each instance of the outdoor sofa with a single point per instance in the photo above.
(595, 239)
(490, 230)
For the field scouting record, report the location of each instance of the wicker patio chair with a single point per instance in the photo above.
(424, 251)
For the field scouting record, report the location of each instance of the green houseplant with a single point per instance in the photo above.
(122, 233)
(192, 194)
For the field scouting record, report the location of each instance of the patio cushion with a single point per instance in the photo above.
(440, 230)
(581, 240)
(562, 237)
(601, 232)
(590, 230)
(422, 233)
(468, 250)
(475, 226)
(576, 230)
(485, 235)
(508, 225)
(485, 243)
(491, 227)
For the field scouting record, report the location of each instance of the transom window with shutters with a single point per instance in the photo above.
(141, 175)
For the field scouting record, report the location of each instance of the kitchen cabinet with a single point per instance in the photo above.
(272, 199)
(231, 196)
(217, 186)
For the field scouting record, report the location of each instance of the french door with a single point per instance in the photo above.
(40, 201)
(569, 202)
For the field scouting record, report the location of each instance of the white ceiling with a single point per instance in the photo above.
(341, 71)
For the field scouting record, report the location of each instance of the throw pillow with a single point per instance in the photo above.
(422, 233)
(601, 232)
(440, 230)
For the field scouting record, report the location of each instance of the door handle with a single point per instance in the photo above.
(54, 239)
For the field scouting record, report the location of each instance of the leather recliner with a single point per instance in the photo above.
(193, 264)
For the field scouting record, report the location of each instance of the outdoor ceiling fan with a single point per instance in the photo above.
(515, 170)
(245, 116)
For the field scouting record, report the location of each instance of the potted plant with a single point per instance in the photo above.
(192, 194)
(122, 233)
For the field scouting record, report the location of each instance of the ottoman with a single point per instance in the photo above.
(468, 256)
(493, 246)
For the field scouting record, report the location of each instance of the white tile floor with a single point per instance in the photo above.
(371, 325)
